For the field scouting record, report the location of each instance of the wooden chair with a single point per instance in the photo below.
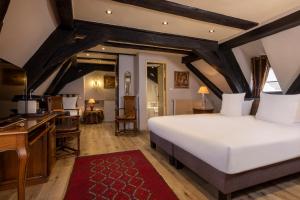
(67, 127)
(128, 115)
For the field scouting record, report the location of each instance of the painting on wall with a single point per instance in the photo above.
(109, 82)
(181, 79)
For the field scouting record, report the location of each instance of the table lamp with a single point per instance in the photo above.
(203, 91)
(91, 102)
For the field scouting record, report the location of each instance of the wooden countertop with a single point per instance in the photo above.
(30, 124)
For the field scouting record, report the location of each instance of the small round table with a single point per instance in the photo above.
(93, 116)
(202, 110)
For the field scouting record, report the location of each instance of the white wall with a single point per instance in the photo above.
(283, 51)
(126, 63)
(44, 86)
(76, 87)
(98, 93)
(173, 63)
(244, 54)
(27, 25)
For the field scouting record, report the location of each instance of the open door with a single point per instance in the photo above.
(156, 89)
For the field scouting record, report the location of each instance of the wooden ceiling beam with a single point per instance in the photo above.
(295, 87)
(190, 58)
(61, 73)
(191, 12)
(132, 35)
(205, 80)
(225, 63)
(277, 26)
(62, 44)
(147, 48)
(3, 9)
(77, 71)
(65, 13)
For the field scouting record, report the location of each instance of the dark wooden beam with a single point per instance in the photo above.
(100, 59)
(190, 58)
(295, 87)
(235, 76)
(277, 26)
(111, 33)
(77, 71)
(225, 63)
(191, 12)
(62, 44)
(108, 53)
(3, 9)
(144, 47)
(65, 13)
(205, 80)
(61, 73)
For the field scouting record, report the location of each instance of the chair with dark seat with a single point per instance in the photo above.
(67, 128)
(127, 115)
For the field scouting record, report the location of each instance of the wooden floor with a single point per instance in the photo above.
(99, 139)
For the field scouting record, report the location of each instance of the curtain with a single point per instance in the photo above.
(260, 71)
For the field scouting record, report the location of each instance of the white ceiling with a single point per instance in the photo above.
(141, 18)
(252, 10)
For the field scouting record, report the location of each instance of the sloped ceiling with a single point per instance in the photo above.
(283, 50)
(254, 10)
(137, 17)
(27, 25)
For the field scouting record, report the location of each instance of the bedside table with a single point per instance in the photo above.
(93, 116)
(202, 111)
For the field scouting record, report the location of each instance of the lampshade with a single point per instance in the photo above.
(91, 101)
(203, 90)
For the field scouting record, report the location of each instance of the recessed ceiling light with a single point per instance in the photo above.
(109, 12)
(87, 54)
(165, 23)
(103, 48)
(211, 30)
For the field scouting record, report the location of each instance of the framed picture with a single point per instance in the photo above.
(109, 82)
(181, 79)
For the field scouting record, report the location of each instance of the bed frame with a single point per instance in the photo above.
(225, 183)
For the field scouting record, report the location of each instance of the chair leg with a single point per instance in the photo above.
(116, 128)
(135, 125)
(124, 126)
(178, 164)
(78, 144)
(222, 196)
(153, 145)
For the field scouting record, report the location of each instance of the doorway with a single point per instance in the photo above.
(156, 89)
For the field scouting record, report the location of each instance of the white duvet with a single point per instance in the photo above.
(230, 144)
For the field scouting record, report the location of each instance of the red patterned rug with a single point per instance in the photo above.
(118, 176)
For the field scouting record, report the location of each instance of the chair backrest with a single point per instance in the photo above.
(55, 103)
(129, 106)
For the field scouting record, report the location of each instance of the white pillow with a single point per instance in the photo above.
(246, 108)
(232, 104)
(69, 102)
(278, 108)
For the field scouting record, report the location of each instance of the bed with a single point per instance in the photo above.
(246, 152)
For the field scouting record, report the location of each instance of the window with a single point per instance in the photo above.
(272, 84)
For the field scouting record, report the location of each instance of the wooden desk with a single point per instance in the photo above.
(35, 138)
(202, 111)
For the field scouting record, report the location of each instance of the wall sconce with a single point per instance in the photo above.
(96, 84)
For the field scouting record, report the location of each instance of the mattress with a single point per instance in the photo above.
(230, 144)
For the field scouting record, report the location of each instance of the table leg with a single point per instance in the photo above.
(23, 158)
